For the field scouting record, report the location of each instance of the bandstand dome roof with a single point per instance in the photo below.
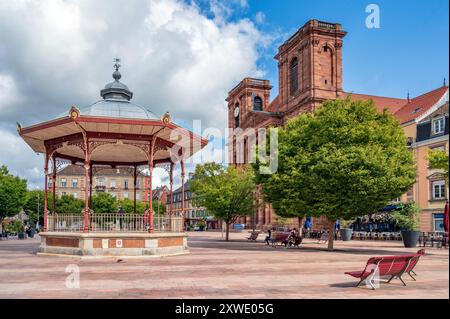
(116, 108)
(122, 128)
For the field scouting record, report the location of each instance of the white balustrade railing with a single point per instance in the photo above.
(65, 222)
(114, 223)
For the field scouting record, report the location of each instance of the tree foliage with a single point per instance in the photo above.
(104, 203)
(407, 216)
(159, 207)
(128, 206)
(438, 159)
(13, 192)
(31, 205)
(226, 192)
(68, 204)
(343, 161)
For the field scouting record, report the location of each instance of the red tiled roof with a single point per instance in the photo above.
(419, 105)
(381, 102)
(72, 170)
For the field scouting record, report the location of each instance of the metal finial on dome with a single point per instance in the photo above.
(116, 75)
(116, 89)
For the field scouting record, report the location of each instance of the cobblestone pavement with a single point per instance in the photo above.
(218, 269)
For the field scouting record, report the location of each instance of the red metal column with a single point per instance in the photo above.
(182, 196)
(134, 191)
(45, 189)
(171, 188)
(150, 192)
(54, 186)
(171, 194)
(90, 186)
(150, 184)
(87, 168)
(86, 195)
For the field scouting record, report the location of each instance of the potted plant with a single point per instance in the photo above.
(16, 226)
(201, 225)
(407, 219)
(345, 231)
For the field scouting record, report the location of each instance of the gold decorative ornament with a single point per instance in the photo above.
(166, 118)
(74, 112)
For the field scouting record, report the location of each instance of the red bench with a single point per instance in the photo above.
(394, 266)
(278, 238)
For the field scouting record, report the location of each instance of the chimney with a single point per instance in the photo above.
(190, 175)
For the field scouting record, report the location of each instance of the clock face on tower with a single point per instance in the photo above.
(236, 111)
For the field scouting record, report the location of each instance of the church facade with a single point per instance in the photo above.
(309, 73)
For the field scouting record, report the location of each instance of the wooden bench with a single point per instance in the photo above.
(253, 236)
(394, 266)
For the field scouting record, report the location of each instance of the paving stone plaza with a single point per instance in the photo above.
(218, 269)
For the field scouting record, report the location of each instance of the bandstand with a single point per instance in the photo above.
(112, 133)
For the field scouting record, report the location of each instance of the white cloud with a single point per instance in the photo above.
(260, 17)
(56, 53)
(20, 159)
(9, 93)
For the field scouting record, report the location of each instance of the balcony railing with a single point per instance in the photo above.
(113, 223)
(326, 25)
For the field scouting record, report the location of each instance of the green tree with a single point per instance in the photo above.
(407, 216)
(438, 159)
(31, 205)
(13, 191)
(226, 192)
(128, 206)
(67, 204)
(343, 161)
(159, 207)
(104, 203)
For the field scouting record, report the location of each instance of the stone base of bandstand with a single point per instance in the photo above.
(112, 244)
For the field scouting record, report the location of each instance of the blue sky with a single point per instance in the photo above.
(183, 56)
(410, 50)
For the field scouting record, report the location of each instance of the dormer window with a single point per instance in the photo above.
(438, 125)
(257, 103)
(416, 110)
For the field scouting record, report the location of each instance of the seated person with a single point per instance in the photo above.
(291, 238)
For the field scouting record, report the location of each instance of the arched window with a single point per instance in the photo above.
(257, 103)
(294, 76)
(236, 114)
(328, 65)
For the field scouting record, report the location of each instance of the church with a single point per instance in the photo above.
(309, 73)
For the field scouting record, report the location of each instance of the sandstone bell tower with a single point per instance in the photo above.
(310, 67)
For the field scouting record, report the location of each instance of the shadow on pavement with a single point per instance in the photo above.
(260, 246)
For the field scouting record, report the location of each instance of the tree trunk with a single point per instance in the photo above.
(227, 231)
(331, 237)
(300, 227)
